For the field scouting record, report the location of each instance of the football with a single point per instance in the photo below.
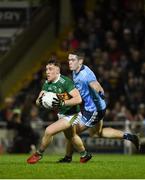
(47, 99)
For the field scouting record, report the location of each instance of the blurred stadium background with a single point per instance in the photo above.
(112, 35)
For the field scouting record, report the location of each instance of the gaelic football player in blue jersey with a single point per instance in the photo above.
(94, 105)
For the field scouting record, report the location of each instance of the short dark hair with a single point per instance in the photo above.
(80, 54)
(53, 61)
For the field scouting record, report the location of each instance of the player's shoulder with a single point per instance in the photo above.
(86, 70)
(64, 79)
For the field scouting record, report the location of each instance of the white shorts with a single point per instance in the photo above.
(73, 119)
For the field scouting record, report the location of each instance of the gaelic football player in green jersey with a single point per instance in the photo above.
(68, 111)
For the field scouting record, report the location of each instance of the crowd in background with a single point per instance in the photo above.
(113, 40)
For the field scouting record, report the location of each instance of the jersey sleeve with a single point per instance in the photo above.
(91, 77)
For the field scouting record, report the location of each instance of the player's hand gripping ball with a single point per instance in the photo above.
(47, 99)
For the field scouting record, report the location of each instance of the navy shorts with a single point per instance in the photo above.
(90, 119)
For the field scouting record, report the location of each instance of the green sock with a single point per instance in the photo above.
(83, 153)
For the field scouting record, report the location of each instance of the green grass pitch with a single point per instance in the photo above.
(99, 167)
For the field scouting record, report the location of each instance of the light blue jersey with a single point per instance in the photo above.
(92, 101)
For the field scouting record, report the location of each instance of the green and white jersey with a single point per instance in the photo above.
(62, 85)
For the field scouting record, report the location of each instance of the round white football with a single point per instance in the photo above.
(48, 98)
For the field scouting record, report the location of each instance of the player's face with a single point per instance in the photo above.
(73, 62)
(52, 72)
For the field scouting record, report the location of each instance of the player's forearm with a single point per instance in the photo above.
(96, 87)
(73, 101)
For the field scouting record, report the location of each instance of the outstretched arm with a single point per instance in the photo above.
(97, 89)
(95, 85)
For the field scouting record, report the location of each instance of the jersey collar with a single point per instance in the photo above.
(82, 67)
(56, 79)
